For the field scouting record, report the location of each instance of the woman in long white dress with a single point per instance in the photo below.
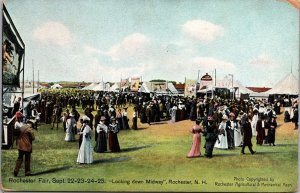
(70, 124)
(254, 122)
(238, 137)
(222, 142)
(85, 155)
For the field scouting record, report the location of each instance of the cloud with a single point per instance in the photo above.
(132, 45)
(53, 33)
(208, 64)
(201, 30)
(92, 51)
(262, 59)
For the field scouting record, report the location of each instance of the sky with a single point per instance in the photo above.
(92, 40)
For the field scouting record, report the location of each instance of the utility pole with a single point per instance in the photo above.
(38, 86)
(215, 77)
(232, 85)
(32, 77)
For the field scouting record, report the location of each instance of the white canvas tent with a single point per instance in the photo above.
(147, 87)
(288, 85)
(172, 88)
(226, 82)
(115, 87)
(90, 87)
(99, 87)
(56, 86)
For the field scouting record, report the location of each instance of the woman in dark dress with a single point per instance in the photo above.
(113, 136)
(134, 119)
(101, 144)
(271, 131)
(119, 119)
(125, 119)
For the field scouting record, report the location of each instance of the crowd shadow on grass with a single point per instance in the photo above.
(53, 170)
(135, 148)
(270, 152)
(225, 155)
(286, 145)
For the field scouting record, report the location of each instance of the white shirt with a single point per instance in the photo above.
(101, 126)
(18, 125)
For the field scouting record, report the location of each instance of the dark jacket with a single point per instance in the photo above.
(247, 132)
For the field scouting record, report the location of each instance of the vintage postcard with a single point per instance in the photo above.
(150, 95)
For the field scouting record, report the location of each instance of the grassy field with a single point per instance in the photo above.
(153, 158)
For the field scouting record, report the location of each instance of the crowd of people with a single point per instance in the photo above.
(225, 123)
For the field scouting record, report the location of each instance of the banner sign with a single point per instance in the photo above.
(124, 82)
(205, 81)
(159, 87)
(12, 53)
(190, 88)
(135, 84)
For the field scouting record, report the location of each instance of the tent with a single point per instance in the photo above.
(99, 87)
(227, 82)
(172, 88)
(115, 87)
(90, 87)
(167, 88)
(288, 85)
(56, 86)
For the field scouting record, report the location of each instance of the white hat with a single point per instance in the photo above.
(85, 118)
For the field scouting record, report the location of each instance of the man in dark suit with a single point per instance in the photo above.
(247, 135)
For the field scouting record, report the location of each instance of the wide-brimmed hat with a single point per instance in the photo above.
(85, 118)
(102, 118)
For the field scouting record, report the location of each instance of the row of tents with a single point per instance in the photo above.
(286, 86)
(146, 87)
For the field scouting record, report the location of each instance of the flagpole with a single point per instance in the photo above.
(38, 86)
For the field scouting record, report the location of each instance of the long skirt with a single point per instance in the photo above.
(260, 136)
(195, 150)
(125, 122)
(113, 142)
(134, 123)
(120, 123)
(85, 154)
(101, 144)
(271, 136)
(223, 143)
